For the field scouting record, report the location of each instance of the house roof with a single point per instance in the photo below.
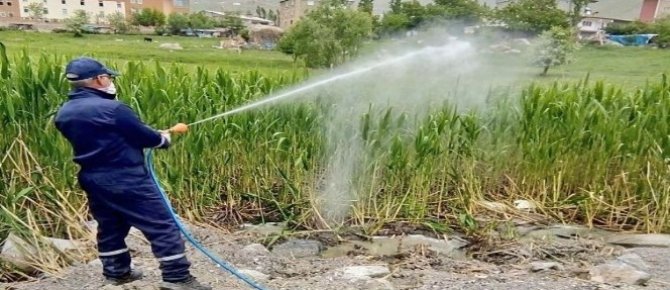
(245, 17)
(612, 9)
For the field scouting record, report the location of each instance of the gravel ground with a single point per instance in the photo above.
(412, 271)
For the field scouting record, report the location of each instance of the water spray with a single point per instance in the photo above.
(182, 128)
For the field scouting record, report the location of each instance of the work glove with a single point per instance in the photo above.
(166, 140)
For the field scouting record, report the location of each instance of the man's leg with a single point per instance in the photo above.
(112, 248)
(112, 231)
(147, 213)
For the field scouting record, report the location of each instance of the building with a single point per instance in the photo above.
(58, 10)
(246, 20)
(10, 10)
(240, 7)
(654, 9)
(166, 6)
(98, 10)
(290, 11)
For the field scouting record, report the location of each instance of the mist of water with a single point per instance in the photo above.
(410, 76)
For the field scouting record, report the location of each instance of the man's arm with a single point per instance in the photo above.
(136, 132)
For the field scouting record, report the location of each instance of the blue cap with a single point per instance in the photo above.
(83, 68)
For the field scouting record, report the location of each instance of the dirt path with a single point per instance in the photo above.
(415, 270)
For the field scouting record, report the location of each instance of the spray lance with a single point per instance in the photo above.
(181, 128)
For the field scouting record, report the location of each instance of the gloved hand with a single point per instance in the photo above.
(166, 140)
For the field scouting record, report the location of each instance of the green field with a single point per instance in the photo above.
(122, 48)
(594, 153)
(628, 66)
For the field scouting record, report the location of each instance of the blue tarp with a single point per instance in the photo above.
(632, 39)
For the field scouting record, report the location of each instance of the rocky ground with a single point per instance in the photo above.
(559, 257)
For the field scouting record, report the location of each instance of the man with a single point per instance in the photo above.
(108, 140)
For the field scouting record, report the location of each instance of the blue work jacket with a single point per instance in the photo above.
(104, 132)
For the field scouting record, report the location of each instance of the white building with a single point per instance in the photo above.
(59, 10)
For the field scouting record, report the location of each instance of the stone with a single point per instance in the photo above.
(494, 206)
(255, 249)
(298, 248)
(542, 266)
(450, 248)
(522, 204)
(21, 253)
(17, 252)
(634, 260)
(639, 240)
(95, 263)
(616, 272)
(566, 231)
(256, 275)
(174, 46)
(522, 41)
(364, 272)
(264, 229)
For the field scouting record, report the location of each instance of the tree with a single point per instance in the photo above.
(260, 12)
(554, 47)
(393, 23)
(148, 17)
(396, 6)
(234, 23)
(176, 22)
(118, 23)
(76, 22)
(412, 15)
(366, 6)
(577, 7)
(327, 35)
(36, 10)
(199, 20)
(272, 16)
(534, 16)
(466, 11)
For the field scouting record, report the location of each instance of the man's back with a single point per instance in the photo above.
(103, 132)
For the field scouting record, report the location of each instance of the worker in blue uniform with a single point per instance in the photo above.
(108, 140)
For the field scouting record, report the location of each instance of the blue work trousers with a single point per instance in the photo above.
(123, 197)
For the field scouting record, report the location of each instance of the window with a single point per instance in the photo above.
(587, 23)
(11, 14)
(118, 5)
(45, 11)
(81, 2)
(25, 10)
(64, 11)
(2, 3)
(3, 14)
(101, 4)
(63, 2)
(9, 3)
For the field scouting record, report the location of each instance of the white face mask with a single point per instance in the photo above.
(111, 89)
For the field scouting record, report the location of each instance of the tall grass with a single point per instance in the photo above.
(583, 152)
